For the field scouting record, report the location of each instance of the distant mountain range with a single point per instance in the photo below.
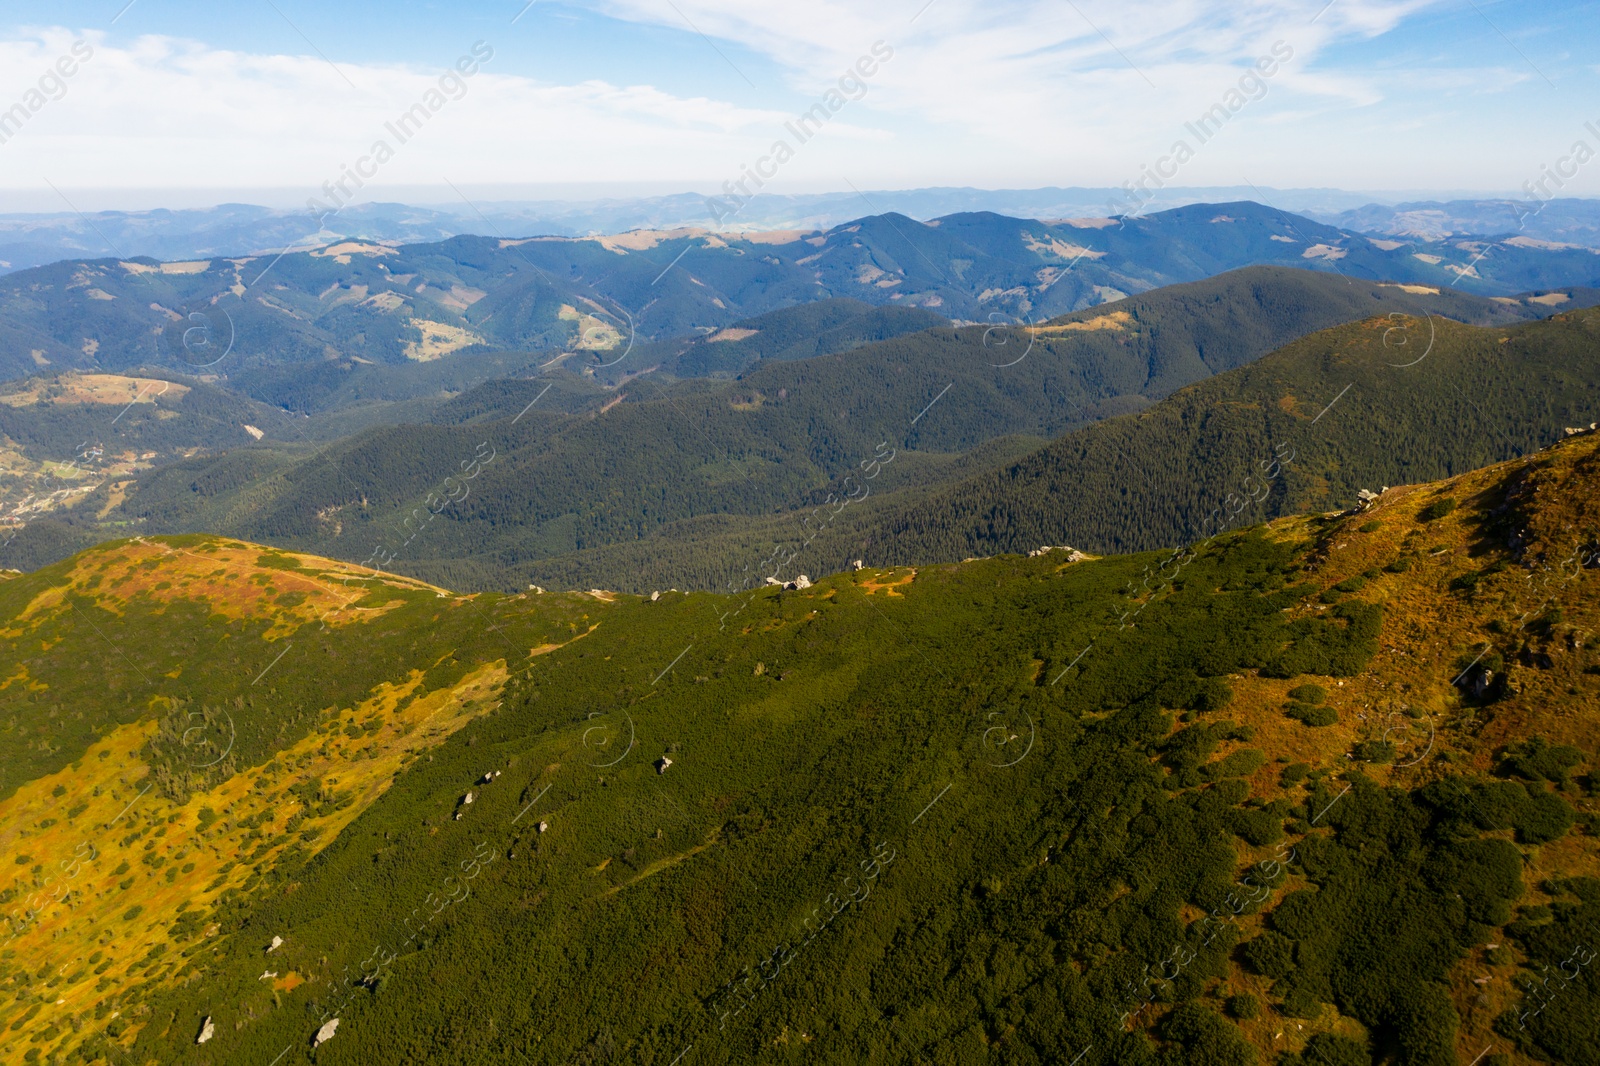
(1565, 221)
(590, 301)
(237, 229)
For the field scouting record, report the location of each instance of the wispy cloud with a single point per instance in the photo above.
(983, 92)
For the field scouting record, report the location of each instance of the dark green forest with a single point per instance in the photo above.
(1242, 447)
(619, 482)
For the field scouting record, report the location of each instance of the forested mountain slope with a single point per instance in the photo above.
(779, 437)
(1380, 402)
(823, 327)
(1387, 400)
(1317, 791)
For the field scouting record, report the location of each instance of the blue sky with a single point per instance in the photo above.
(680, 94)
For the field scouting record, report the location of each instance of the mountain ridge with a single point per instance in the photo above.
(970, 776)
(776, 436)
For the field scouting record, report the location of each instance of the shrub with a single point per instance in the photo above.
(1241, 763)
(1309, 693)
(1537, 759)
(1546, 817)
(1256, 827)
(1206, 1037)
(1244, 1006)
(1375, 751)
(1213, 695)
(1436, 510)
(1312, 716)
(1271, 954)
(1301, 1002)
(1328, 1049)
(1337, 645)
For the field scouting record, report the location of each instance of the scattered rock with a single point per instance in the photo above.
(536, 590)
(774, 581)
(266, 974)
(325, 1034)
(1364, 498)
(466, 799)
(277, 942)
(1073, 554)
(662, 764)
(858, 565)
(543, 826)
(654, 596)
(207, 1031)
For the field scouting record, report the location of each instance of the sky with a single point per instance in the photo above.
(195, 102)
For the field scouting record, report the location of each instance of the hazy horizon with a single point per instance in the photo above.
(49, 202)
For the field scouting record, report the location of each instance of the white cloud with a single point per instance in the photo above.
(165, 112)
(1004, 93)
(1070, 93)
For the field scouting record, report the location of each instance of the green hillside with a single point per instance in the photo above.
(820, 328)
(1244, 446)
(781, 436)
(1288, 803)
(1476, 397)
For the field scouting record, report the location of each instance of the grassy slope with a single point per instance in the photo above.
(1017, 850)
